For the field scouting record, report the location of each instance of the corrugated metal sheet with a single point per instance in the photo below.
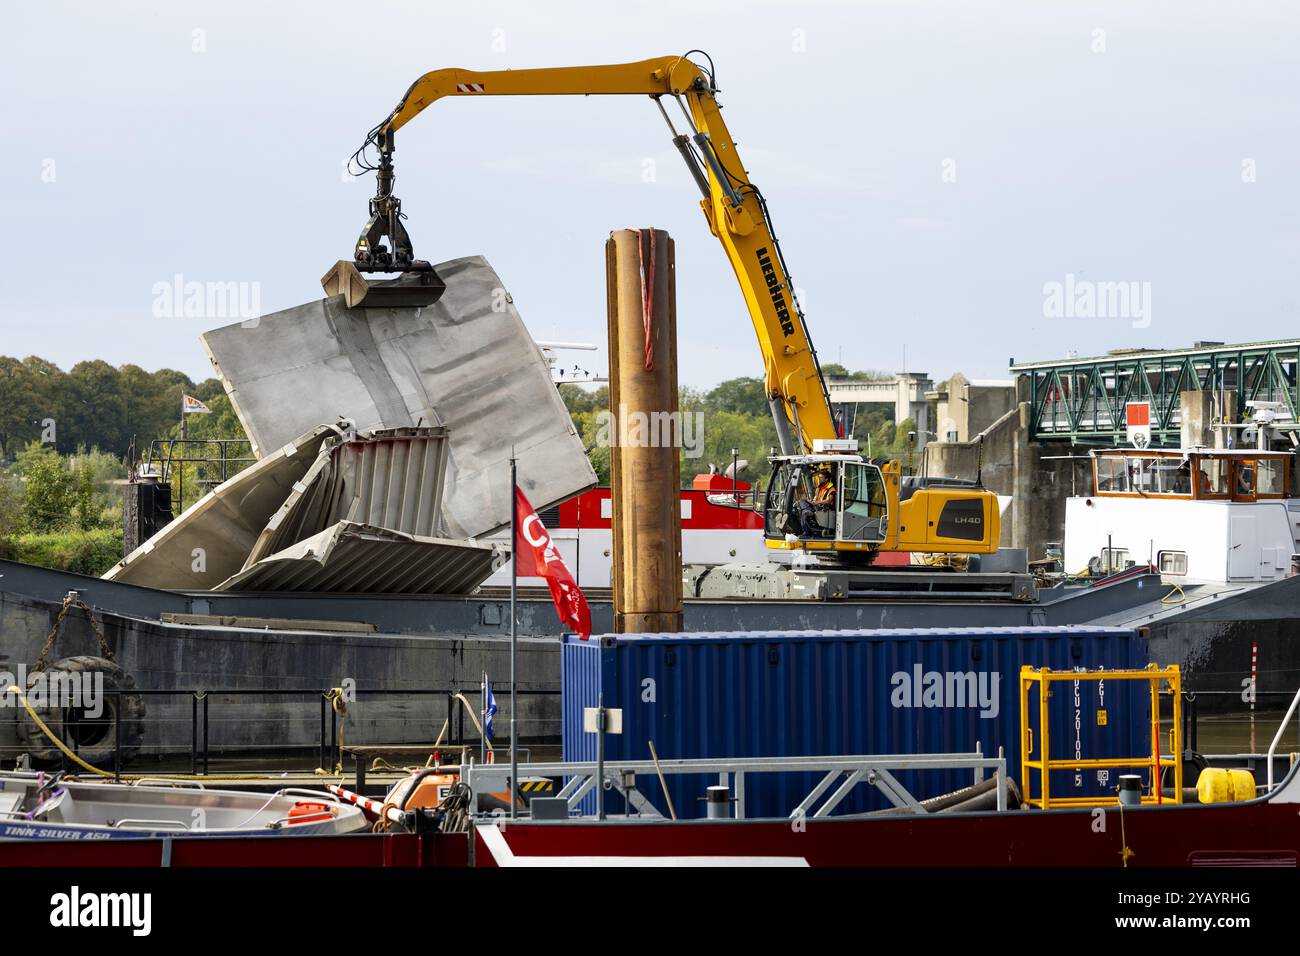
(210, 541)
(391, 478)
(354, 558)
(466, 363)
(820, 693)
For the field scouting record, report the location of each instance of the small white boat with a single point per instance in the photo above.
(38, 806)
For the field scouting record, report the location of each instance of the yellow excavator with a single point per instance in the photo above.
(873, 507)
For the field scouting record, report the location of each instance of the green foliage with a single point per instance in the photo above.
(62, 511)
(578, 400)
(589, 427)
(85, 552)
(61, 494)
(93, 404)
(49, 489)
(743, 396)
(11, 506)
(724, 425)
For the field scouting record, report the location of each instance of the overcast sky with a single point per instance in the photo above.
(931, 167)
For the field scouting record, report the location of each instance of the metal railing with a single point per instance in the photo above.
(1191, 708)
(1272, 748)
(225, 464)
(328, 743)
(848, 772)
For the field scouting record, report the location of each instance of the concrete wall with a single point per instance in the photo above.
(1037, 477)
(965, 408)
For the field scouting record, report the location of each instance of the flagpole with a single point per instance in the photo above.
(514, 587)
(482, 737)
(180, 475)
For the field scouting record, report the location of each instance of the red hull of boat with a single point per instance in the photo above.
(1256, 833)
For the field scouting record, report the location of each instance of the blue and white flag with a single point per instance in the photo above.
(489, 711)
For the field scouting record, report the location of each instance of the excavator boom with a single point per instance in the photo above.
(874, 511)
(733, 206)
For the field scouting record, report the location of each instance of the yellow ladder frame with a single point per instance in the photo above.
(1044, 677)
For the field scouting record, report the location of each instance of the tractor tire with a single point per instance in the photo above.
(91, 739)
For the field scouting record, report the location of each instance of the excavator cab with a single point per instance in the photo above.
(826, 503)
(870, 507)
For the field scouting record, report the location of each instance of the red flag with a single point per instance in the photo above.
(537, 557)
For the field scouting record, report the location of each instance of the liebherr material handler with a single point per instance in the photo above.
(876, 508)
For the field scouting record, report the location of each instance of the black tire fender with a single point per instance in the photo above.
(93, 740)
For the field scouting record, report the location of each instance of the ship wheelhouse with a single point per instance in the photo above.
(1200, 474)
(1201, 514)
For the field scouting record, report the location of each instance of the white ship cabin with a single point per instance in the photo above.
(1197, 515)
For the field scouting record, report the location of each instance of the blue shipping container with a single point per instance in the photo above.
(825, 693)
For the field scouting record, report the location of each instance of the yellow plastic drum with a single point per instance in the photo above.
(1220, 785)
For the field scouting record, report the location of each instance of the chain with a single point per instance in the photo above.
(70, 601)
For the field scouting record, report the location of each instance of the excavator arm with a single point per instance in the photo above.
(734, 207)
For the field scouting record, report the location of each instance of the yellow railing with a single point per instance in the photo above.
(1042, 679)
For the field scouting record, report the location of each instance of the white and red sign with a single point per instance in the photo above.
(1137, 419)
(537, 556)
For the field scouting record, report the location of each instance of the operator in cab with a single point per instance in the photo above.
(823, 499)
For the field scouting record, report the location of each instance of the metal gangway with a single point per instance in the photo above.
(840, 776)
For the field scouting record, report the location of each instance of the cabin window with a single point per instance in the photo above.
(1141, 476)
(1245, 479)
(1173, 476)
(1112, 476)
(1144, 475)
(1114, 559)
(1160, 476)
(1212, 473)
(1270, 473)
(1172, 562)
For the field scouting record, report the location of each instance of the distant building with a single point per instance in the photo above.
(964, 408)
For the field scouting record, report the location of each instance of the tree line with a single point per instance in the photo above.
(92, 405)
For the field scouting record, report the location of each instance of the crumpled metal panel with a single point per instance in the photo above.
(466, 363)
(391, 478)
(348, 557)
(211, 539)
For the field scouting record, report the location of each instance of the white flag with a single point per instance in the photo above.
(192, 406)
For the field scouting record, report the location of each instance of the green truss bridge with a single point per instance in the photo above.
(1081, 400)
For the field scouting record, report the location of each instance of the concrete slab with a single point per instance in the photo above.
(466, 363)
